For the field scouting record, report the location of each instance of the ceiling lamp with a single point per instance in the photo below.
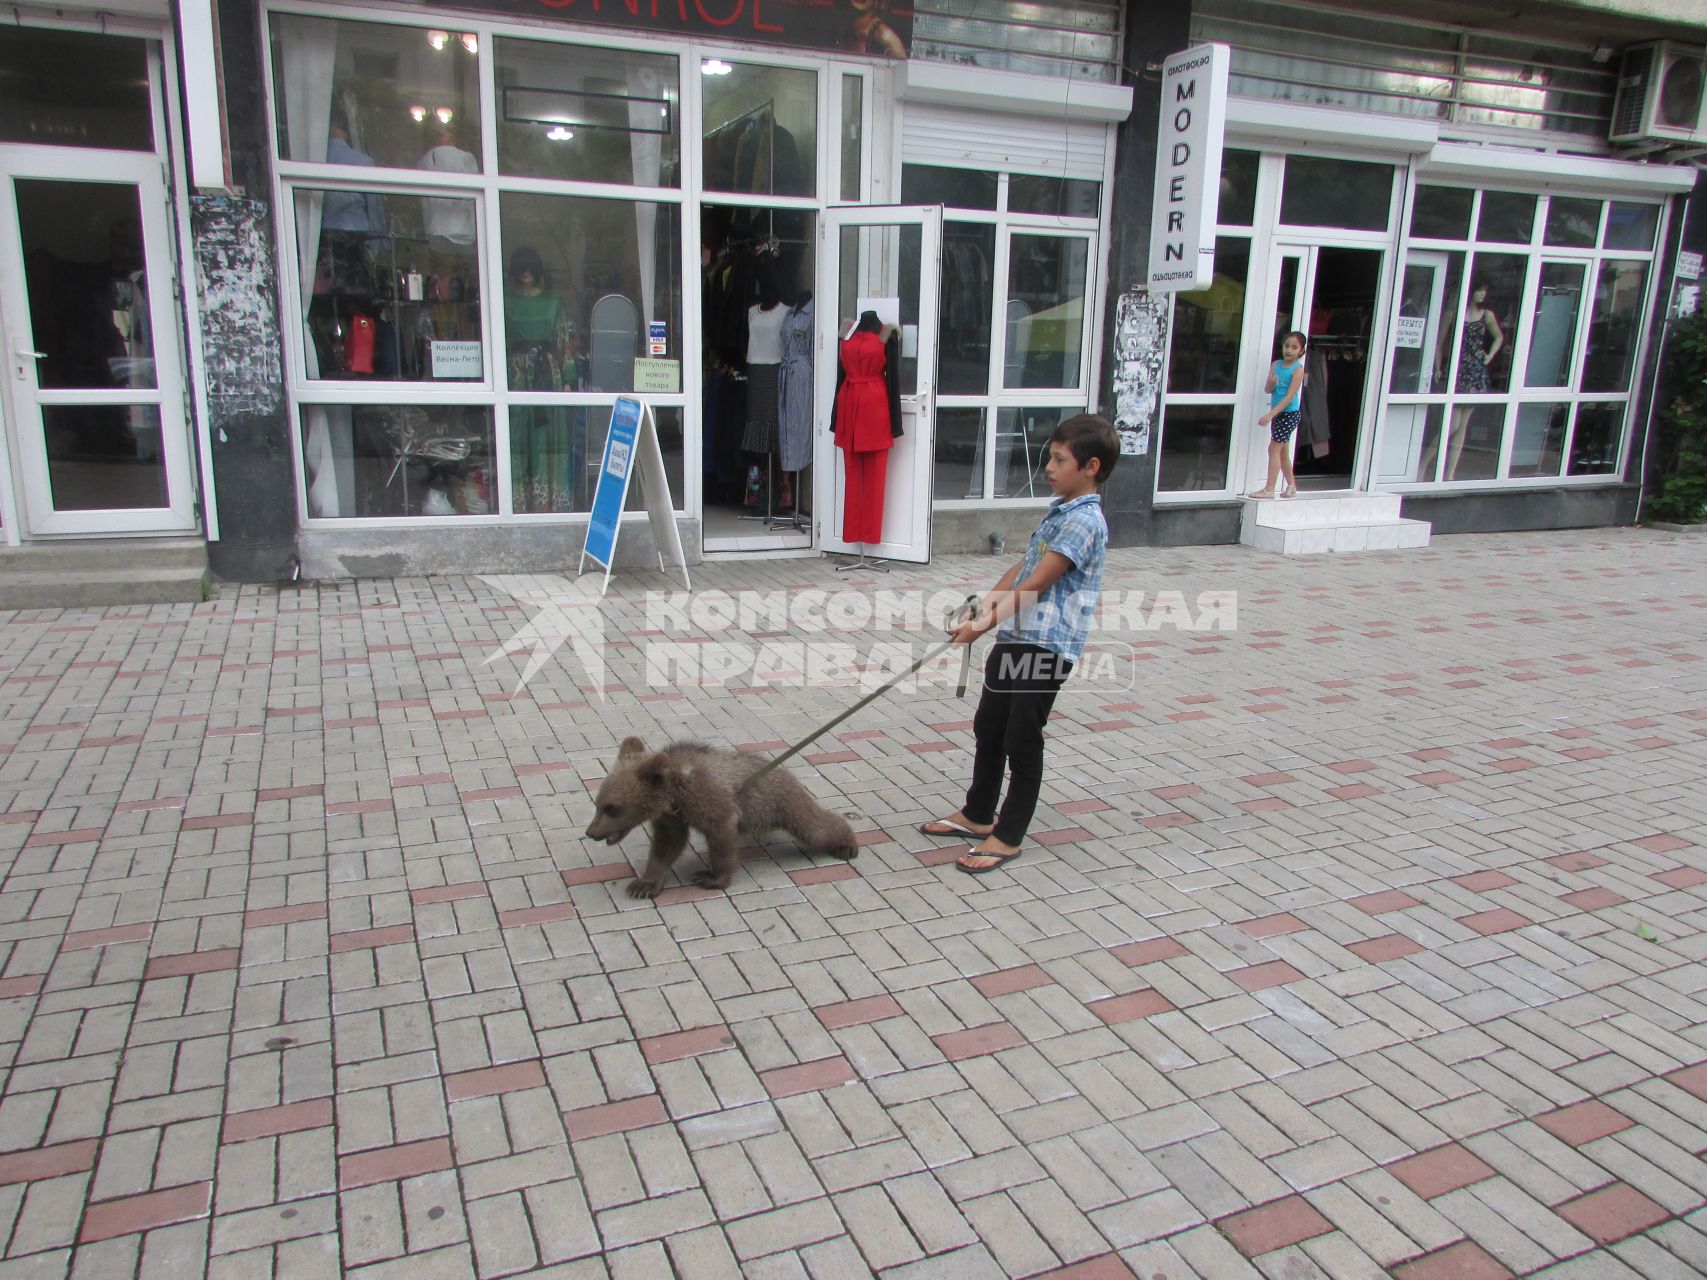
(471, 42)
(438, 39)
(444, 114)
(560, 134)
(715, 67)
(419, 113)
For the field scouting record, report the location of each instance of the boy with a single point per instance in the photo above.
(1044, 607)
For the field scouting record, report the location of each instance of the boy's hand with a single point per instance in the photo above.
(969, 630)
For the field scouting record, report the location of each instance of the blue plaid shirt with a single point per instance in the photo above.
(1060, 620)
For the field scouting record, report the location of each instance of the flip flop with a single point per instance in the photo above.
(1002, 859)
(946, 828)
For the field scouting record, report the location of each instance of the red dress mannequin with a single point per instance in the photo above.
(865, 433)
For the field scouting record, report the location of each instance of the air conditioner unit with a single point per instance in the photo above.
(1662, 95)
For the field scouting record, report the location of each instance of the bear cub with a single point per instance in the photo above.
(691, 786)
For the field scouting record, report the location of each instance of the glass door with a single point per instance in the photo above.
(1287, 307)
(886, 259)
(95, 381)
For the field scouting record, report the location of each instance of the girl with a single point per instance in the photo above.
(1285, 389)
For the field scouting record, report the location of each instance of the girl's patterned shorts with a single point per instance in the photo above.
(1282, 425)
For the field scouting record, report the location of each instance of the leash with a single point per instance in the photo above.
(966, 611)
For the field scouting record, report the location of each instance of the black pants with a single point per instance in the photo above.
(1020, 684)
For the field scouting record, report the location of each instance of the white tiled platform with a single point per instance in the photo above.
(1333, 521)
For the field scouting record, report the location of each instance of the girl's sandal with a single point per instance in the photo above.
(1290, 493)
(1261, 493)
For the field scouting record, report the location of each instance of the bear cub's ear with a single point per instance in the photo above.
(655, 770)
(631, 749)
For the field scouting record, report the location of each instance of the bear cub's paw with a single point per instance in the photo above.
(643, 889)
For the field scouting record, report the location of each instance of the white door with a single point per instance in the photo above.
(882, 252)
(1419, 367)
(94, 375)
(1292, 276)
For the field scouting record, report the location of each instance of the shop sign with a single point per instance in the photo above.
(883, 28)
(1689, 265)
(1409, 331)
(1188, 169)
(632, 452)
(455, 359)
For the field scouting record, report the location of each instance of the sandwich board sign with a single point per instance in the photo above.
(631, 445)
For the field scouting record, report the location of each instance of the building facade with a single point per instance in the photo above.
(350, 290)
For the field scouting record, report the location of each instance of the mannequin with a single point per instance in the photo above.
(865, 423)
(794, 404)
(1475, 353)
(765, 319)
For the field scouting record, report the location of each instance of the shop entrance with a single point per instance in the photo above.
(95, 382)
(878, 257)
(760, 337)
(1328, 292)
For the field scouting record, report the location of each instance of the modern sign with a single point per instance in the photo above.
(631, 446)
(880, 30)
(1188, 169)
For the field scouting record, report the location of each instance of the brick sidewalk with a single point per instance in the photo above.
(1362, 940)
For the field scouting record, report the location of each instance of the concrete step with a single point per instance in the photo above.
(1333, 537)
(130, 571)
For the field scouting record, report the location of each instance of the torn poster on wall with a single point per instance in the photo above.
(1140, 338)
(234, 277)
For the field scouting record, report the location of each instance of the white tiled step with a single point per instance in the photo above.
(1339, 536)
(1327, 508)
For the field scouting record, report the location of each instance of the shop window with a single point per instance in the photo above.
(74, 89)
(1612, 328)
(1572, 223)
(1474, 435)
(556, 451)
(1632, 226)
(367, 461)
(1238, 199)
(1489, 333)
(968, 290)
(1596, 441)
(1507, 217)
(959, 470)
(1552, 343)
(1208, 325)
(1410, 442)
(1059, 197)
(1442, 213)
(761, 128)
(1022, 449)
(1321, 192)
(1196, 440)
(853, 135)
(589, 286)
(951, 188)
(363, 93)
(390, 286)
(587, 114)
(1538, 445)
(1045, 314)
(1425, 331)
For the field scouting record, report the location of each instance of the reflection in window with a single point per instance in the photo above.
(390, 286)
(587, 114)
(761, 128)
(1425, 330)
(959, 469)
(1595, 444)
(1410, 442)
(1553, 339)
(362, 93)
(951, 188)
(1442, 213)
(584, 280)
(963, 351)
(1062, 197)
(104, 457)
(1207, 322)
(1045, 310)
(1612, 331)
(1320, 192)
(1195, 443)
(1022, 450)
(1473, 443)
(1238, 198)
(853, 134)
(397, 460)
(1538, 446)
(1571, 223)
(1632, 226)
(75, 89)
(1508, 217)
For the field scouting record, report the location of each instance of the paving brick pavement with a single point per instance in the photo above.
(1365, 938)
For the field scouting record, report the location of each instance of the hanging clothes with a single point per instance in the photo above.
(1313, 429)
(794, 401)
(764, 368)
(866, 421)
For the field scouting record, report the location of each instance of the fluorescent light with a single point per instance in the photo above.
(560, 134)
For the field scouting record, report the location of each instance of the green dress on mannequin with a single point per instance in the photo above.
(546, 448)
